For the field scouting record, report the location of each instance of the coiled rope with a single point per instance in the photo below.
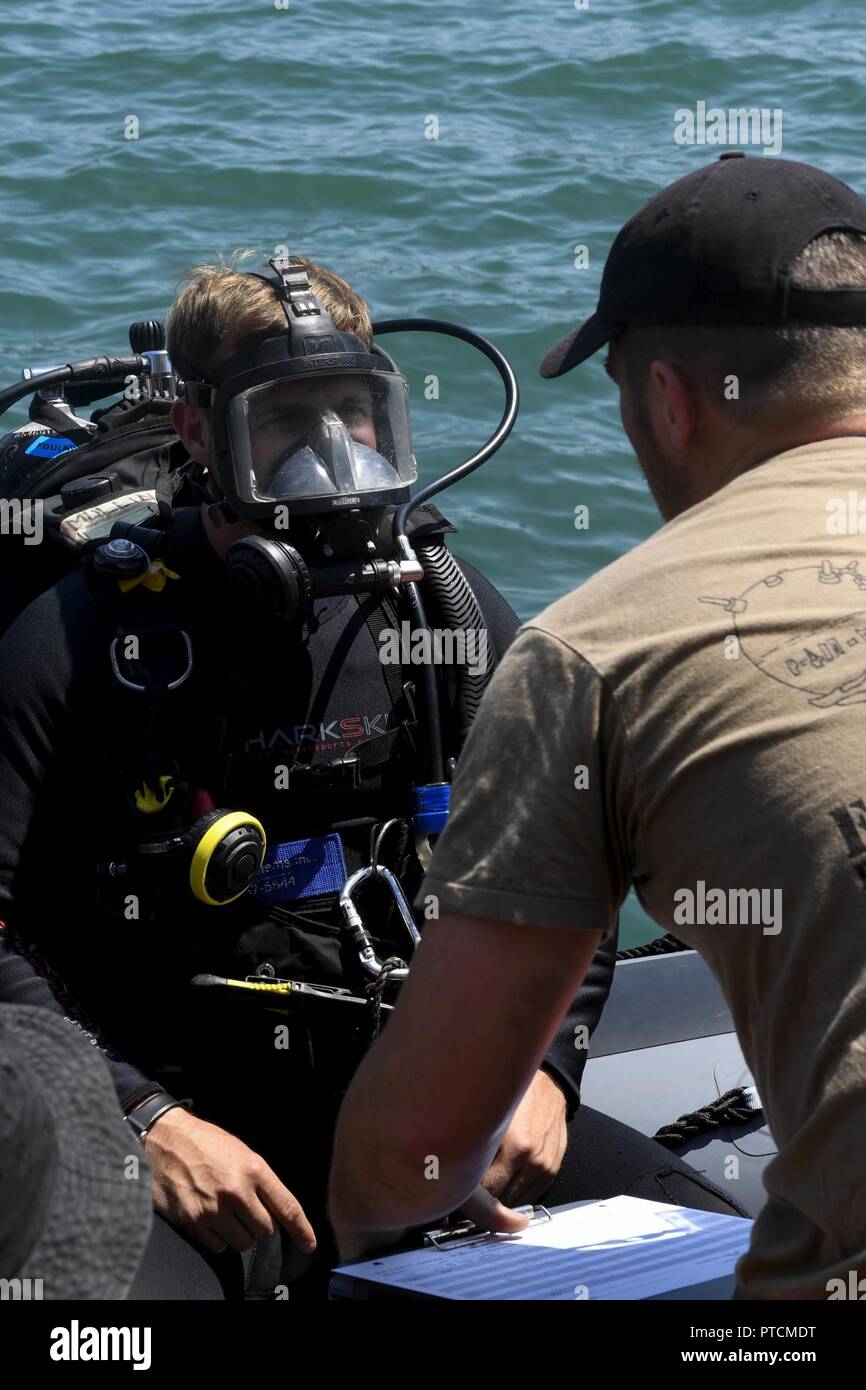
(661, 946)
(731, 1108)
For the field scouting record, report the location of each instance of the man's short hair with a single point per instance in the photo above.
(221, 310)
(798, 370)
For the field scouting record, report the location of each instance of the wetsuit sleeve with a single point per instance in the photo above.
(37, 675)
(567, 1056)
(21, 983)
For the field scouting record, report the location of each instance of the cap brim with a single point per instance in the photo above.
(576, 346)
(99, 1214)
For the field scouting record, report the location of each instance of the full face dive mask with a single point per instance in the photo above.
(311, 419)
(312, 436)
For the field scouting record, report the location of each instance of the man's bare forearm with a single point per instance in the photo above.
(430, 1104)
(379, 1188)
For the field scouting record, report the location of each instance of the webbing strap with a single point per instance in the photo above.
(380, 617)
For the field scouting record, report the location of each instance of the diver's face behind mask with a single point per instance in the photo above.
(321, 439)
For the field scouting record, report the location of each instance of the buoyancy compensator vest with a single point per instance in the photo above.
(221, 772)
(264, 874)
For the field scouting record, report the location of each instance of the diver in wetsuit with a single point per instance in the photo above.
(200, 745)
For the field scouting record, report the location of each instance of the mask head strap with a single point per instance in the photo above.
(311, 328)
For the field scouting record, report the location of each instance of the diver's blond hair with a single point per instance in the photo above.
(221, 310)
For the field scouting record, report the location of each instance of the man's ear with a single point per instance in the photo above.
(674, 406)
(192, 423)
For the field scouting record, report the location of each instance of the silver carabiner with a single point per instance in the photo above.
(400, 899)
(358, 932)
(393, 883)
(354, 922)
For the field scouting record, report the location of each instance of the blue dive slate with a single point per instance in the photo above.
(301, 869)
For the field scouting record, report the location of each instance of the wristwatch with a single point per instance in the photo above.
(144, 1116)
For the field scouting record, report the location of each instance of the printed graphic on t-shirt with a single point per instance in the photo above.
(806, 629)
(849, 817)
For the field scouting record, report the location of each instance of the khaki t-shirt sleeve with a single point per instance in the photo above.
(543, 803)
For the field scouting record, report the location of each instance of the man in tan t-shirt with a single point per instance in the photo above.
(691, 721)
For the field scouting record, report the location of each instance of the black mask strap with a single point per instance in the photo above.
(311, 328)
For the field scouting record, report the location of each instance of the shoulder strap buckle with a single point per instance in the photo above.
(337, 774)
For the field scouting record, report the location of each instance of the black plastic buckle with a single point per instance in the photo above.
(296, 288)
(198, 393)
(339, 773)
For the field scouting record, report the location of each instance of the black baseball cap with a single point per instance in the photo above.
(715, 247)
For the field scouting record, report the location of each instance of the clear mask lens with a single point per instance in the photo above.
(319, 436)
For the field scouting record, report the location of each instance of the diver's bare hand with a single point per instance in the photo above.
(218, 1190)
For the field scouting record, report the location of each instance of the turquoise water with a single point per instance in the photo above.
(307, 127)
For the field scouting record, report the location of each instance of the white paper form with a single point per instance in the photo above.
(620, 1248)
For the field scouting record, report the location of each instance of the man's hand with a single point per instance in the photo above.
(526, 1163)
(532, 1149)
(212, 1186)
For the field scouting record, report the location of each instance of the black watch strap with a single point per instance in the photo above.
(145, 1116)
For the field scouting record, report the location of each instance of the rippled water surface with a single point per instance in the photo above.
(308, 127)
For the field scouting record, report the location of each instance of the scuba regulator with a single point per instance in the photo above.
(218, 856)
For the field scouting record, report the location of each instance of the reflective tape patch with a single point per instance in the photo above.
(47, 446)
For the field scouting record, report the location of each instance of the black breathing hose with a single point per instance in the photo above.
(405, 510)
(496, 440)
(454, 599)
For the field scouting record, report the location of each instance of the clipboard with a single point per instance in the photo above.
(617, 1248)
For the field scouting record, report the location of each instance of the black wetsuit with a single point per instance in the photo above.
(259, 696)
